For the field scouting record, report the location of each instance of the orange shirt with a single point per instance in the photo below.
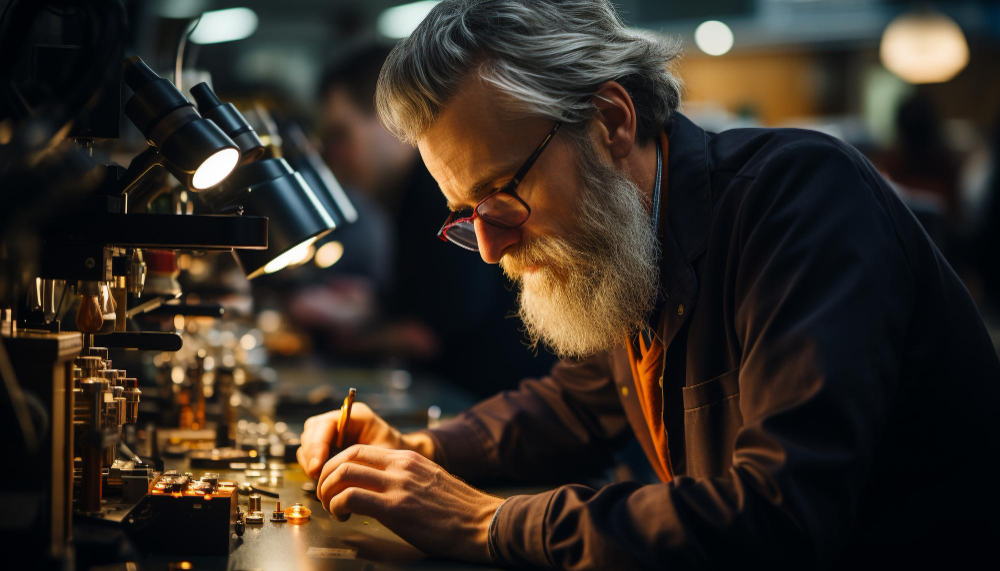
(646, 359)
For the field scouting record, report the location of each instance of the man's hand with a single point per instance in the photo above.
(364, 427)
(412, 496)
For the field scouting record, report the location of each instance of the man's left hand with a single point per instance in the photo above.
(412, 496)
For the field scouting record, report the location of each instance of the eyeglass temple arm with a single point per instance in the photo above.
(534, 156)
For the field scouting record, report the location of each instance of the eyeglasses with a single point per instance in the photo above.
(502, 207)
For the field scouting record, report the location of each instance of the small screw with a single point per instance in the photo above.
(277, 515)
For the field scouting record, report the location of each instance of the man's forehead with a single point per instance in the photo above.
(471, 138)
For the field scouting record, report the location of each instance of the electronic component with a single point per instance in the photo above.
(278, 516)
(198, 516)
(253, 503)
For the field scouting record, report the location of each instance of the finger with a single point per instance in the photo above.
(347, 475)
(300, 457)
(374, 456)
(356, 500)
(316, 441)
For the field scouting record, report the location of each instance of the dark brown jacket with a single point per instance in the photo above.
(828, 385)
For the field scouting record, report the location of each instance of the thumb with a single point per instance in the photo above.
(316, 455)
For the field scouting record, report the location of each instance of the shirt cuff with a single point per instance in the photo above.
(462, 449)
(519, 531)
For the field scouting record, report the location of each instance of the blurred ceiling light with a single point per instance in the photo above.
(226, 25)
(179, 8)
(400, 21)
(924, 47)
(329, 254)
(713, 37)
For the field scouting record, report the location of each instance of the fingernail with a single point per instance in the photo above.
(312, 465)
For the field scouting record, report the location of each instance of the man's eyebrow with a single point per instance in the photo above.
(477, 191)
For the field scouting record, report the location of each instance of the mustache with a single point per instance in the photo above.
(543, 252)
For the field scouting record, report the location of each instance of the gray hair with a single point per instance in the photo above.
(548, 57)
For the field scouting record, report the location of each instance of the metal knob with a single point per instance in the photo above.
(89, 367)
(132, 394)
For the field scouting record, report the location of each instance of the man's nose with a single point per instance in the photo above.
(493, 240)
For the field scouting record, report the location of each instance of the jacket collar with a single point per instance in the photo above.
(690, 207)
(689, 211)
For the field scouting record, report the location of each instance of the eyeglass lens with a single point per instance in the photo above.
(503, 210)
(463, 234)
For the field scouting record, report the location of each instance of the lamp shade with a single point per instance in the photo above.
(193, 149)
(303, 157)
(230, 120)
(296, 217)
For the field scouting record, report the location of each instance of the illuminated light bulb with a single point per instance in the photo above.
(215, 169)
(400, 21)
(713, 37)
(924, 47)
(329, 254)
(227, 25)
(292, 256)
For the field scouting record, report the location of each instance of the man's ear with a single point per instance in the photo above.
(616, 120)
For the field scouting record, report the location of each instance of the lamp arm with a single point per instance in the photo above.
(137, 169)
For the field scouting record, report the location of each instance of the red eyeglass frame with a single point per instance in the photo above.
(509, 188)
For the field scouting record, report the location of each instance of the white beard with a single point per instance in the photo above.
(593, 288)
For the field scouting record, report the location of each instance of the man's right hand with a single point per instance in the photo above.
(319, 438)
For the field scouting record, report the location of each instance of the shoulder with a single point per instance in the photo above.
(793, 169)
(751, 153)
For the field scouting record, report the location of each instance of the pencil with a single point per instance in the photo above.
(345, 416)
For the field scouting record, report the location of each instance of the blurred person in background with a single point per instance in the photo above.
(436, 307)
(925, 171)
(809, 378)
(921, 160)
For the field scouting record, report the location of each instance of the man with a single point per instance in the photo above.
(806, 374)
(436, 308)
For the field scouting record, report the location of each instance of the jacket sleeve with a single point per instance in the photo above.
(553, 428)
(820, 295)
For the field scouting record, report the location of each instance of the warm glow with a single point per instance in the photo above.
(215, 169)
(290, 257)
(713, 37)
(248, 341)
(924, 47)
(329, 254)
(269, 320)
